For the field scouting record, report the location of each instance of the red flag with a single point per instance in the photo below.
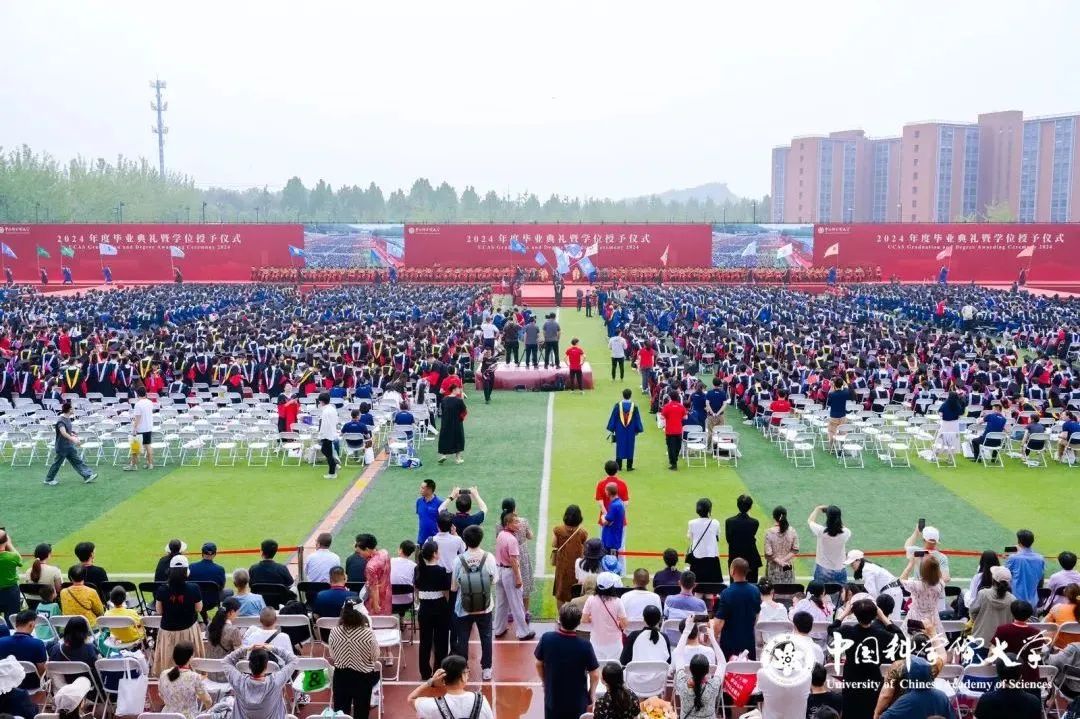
(1028, 251)
(664, 257)
(947, 252)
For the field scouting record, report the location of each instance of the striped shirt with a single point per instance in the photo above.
(354, 648)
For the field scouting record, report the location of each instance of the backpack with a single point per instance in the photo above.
(474, 586)
(445, 713)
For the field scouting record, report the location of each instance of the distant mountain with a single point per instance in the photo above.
(718, 192)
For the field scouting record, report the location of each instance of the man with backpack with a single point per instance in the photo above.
(472, 579)
(456, 702)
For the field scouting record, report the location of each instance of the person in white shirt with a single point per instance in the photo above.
(322, 560)
(328, 433)
(635, 601)
(690, 638)
(488, 330)
(267, 633)
(617, 345)
(782, 700)
(452, 675)
(832, 538)
(450, 544)
(402, 571)
(142, 426)
(876, 580)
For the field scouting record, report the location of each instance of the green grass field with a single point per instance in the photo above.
(131, 515)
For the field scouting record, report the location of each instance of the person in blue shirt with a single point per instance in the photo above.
(328, 602)
(614, 521)
(1070, 428)
(994, 421)
(736, 612)
(24, 646)
(404, 420)
(1027, 567)
(355, 427)
(715, 402)
(427, 510)
(837, 403)
(207, 570)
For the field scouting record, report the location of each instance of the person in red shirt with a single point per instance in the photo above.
(575, 357)
(780, 405)
(673, 413)
(452, 380)
(611, 468)
(646, 360)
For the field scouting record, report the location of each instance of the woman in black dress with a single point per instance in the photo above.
(452, 429)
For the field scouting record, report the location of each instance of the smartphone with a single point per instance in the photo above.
(922, 523)
(465, 491)
(1011, 549)
(919, 553)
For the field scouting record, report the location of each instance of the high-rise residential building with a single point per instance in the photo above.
(933, 172)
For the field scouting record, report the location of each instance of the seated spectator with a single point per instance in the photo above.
(452, 676)
(617, 702)
(1065, 613)
(1069, 428)
(684, 604)
(1062, 578)
(1035, 428)
(697, 691)
(207, 570)
(267, 633)
(821, 696)
(357, 427)
(771, 610)
(356, 564)
(25, 647)
(93, 575)
(119, 608)
(79, 599)
(182, 690)
(991, 607)
(783, 699)
(1068, 657)
(76, 645)
(648, 644)
(669, 575)
(463, 502)
(640, 597)
(691, 636)
(14, 700)
(1022, 639)
(402, 572)
(250, 604)
(41, 572)
(1009, 698)
(259, 695)
(48, 607)
(173, 548)
(920, 699)
(404, 421)
(319, 563)
(803, 623)
(328, 602)
(816, 604)
(588, 589)
(267, 571)
(222, 634)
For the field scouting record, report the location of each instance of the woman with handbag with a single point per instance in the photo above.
(566, 549)
(703, 556)
(605, 617)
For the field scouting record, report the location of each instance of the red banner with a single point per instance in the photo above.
(621, 245)
(143, 253)
(979, 252)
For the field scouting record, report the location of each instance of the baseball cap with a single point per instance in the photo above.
(70, 696)
(608, 580)
(209, 548)
(610, 563)
(853, 556)
(1000, 574)
(931, 534)
(178, 562)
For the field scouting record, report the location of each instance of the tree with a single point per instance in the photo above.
(469, 206)
(374, 203)
(321, 197)
(294, 198)
(1000, 211)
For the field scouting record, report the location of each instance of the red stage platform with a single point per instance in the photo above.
(511, 377)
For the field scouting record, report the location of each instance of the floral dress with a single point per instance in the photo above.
(182, 696)
(377, 574)
(525, 558)
(924, 604)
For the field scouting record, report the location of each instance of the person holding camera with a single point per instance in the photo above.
(463, 499)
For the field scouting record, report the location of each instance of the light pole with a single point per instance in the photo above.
(204, 212)
(187, 209)
(256, 215)
(120, 213)
(37, 207)
(899, 212)
(754, 203)
(850, 215)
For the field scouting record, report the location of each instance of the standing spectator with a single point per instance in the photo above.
(836, 401)
(575, 360)
(450, 544)
(1027, 567)
(783, 700)
(926, 593)
(551, 332)
(876, 580)
(142, 427)
(452, 676)
(982, 578)
(178, 602)
(703, 535)
(508, 584)
(781, 546)
(452, 427)
(606, 617)
(567, 666)
(266, 570)
(250, 604)
(259, 695)
(523, 533)
(865, 644)
(432, 584)
(79, 599)
(624, 426)
(736, 613)
(10, 562)
(357, 669)
(566, 549)
(991, 607)
(614, 522)
(463, 503)
(832, 539)
(532, 342)
(376, 575)
(428, 505)
(64, 448)
(617, 345)
(741, 534)
(487, 374)
(182, 690)
(715, 402)
(472, 580)
(328, 434)
(402, 572)
(931, 538)
(318, 565)
(673, 413)
(646, 360)
(511, 332)
(611, 471)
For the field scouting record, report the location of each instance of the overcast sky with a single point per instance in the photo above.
(582, 98)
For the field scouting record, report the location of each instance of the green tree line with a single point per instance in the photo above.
(35, 187)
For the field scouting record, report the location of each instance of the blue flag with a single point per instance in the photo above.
(296, 251)
(516, 246)
(562, 262)
(7, 251)
(540, 259)
(586, 266)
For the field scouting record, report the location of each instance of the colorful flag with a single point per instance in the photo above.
(664, 257)
(586, 266)
(516, 246)
(295, 251)
(750, 250)
(592, 250)
(7, 251)
(176, 252)
(947, 252)
(785, 251)
(540, 259)
(106, 250)
(1028, 251)
(575, 251)
(42, 252)
(832, 250)
(66, 251)
(562, 262)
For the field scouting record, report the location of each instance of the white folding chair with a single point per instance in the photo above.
(647, 678)
(388, 635)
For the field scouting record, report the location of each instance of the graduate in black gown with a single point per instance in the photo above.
(452, 429)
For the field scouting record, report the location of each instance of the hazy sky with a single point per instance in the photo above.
(591, 98)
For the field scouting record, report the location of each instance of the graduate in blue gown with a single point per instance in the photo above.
(625, 425)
